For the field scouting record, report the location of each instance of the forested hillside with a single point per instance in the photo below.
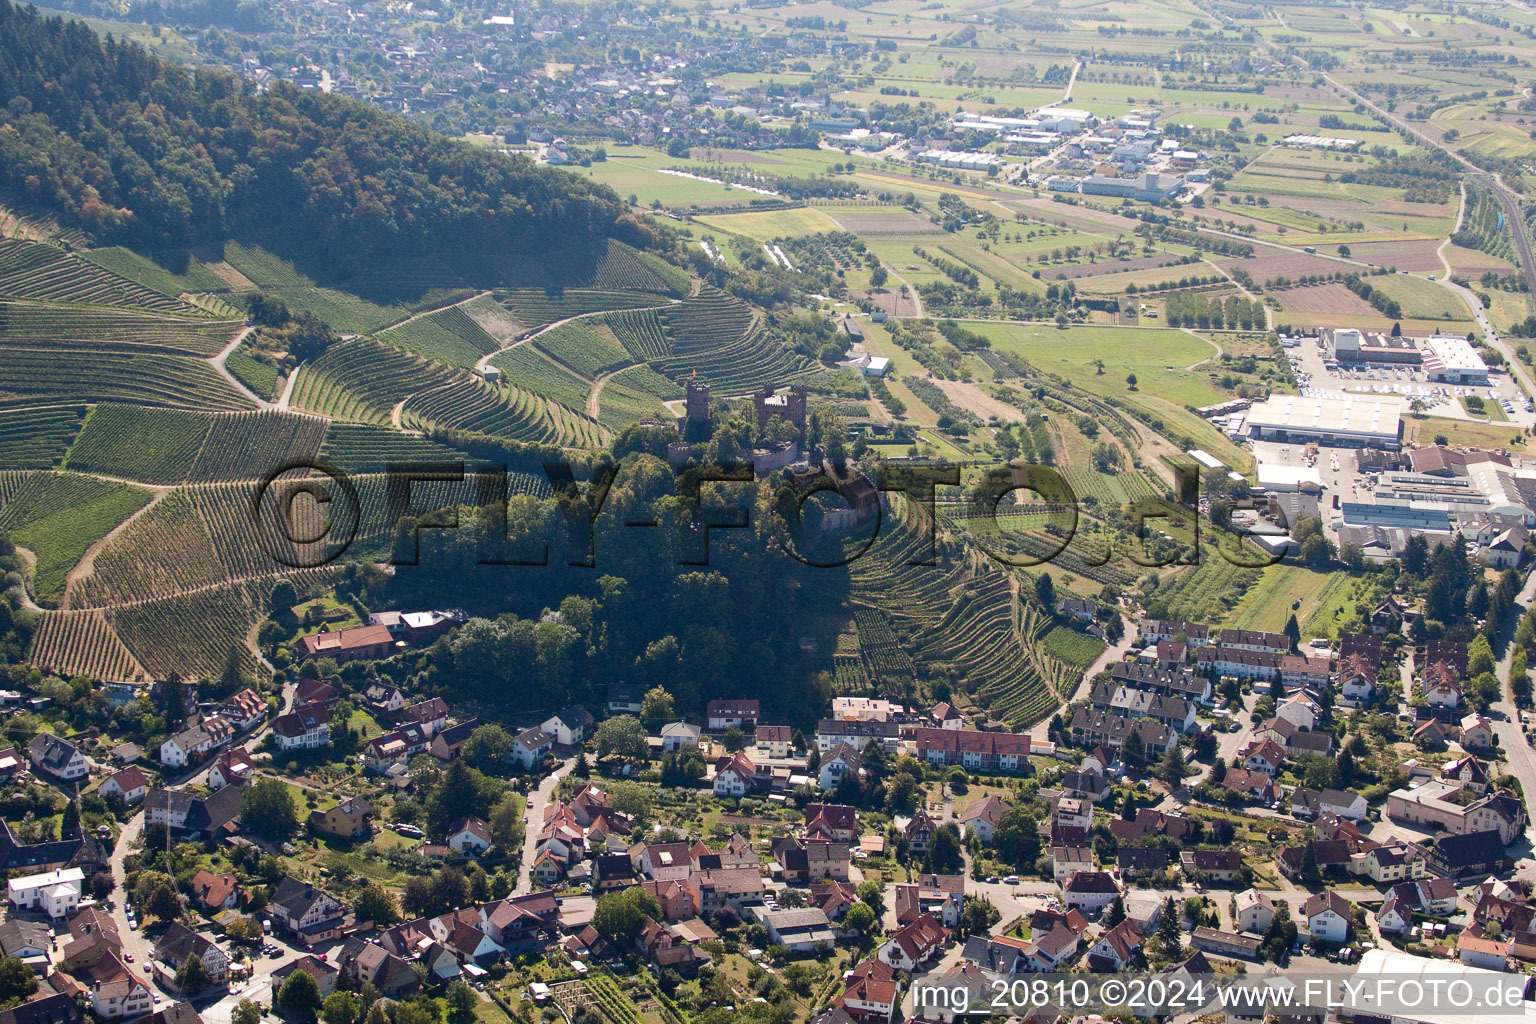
(135, 151)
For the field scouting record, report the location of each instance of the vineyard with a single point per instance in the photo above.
(192, 634)
(58, 516)
(955, 619)
(82, 643)
(362, 380)
(259, 377)
(38, 373)
(250, 445)
(37, 438)
(620, 405)
(535, 308)
(157, 446)
(640, 332)
(1203, 592)
(525, 368)
(32, 270)
(503, 411)
(712, 335)
(168, 333)
(130, 265)
(448, 336)
(581, 346)
(363, 449)
(1073, 648)
(648, 382)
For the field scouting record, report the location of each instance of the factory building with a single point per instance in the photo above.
(1150, 187)
(1352, 347)
(1451, 359)
(1333, 422)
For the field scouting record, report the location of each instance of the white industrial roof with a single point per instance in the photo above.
(1364, 416)
(1456, 353)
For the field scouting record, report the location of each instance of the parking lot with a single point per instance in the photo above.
(1408, 383)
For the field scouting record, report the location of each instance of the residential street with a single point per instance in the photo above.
(534, 812)
(1506, 724)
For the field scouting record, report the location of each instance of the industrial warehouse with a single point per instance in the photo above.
(1366, 422)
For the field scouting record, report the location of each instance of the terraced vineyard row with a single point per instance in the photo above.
(503, 411)
(72, 321)
(713, 338)
(363, 380)
(535, 307)
(447, 336)
(625, 268)
(37, 374)
(524, 368)
(82, 643)
(363, 449)
(38, 438)
(192, 634)
(32, 270)
(647, 381)
(888, 663)
(640, 331)
(130, 265)
(581, 346)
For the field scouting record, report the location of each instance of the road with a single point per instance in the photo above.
(534, 812)
(1519, 759)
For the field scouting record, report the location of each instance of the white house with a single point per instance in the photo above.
(981, 818)
(130, 784)
(734, 778)
(679, 736)
(530, 746)
(1255, 911)
(1328, 916)
(55, 893)
(469, 837)
(57, 757)
(915, 944)
(1089, 891)
(569, 726)
(1300, 710)
(840, 761)
(305, 728)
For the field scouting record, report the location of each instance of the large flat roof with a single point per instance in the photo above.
(1364, 417)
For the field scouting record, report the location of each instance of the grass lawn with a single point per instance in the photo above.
(1424, 430)
(766, 224)
(1267, 604)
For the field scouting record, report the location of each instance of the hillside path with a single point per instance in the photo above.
(223, 371)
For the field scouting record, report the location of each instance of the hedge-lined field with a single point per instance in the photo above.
(37, 438)
(57, 516)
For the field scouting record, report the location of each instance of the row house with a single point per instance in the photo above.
(720, 715)
(1298, 742)
(972, 749)
(1174, 712)
(1300, 710)
(1118, 949)
(1299, 670)
(1254, 640)
(831, 732)
(189, 745)
(1240, 663)
(1100, 728)
(1390, 863)
(1194, 633)
(1175, 682)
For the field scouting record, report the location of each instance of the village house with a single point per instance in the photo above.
(306, 728)
(981, 817)
(360, 643)
(351, 818)
(57, 757)
(233, 767)
(128, 785)
(469, 837)
(973, 749)
(842, 761)
(915, 944)
(569, 726)
(530, 747)
(721, 715)
(1328, 917)
(1253, 911)
(834, 732)
(214, 892)
(176, 945)
(679, 736)
(735, 776)
(774, 740)
(1089, 891)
